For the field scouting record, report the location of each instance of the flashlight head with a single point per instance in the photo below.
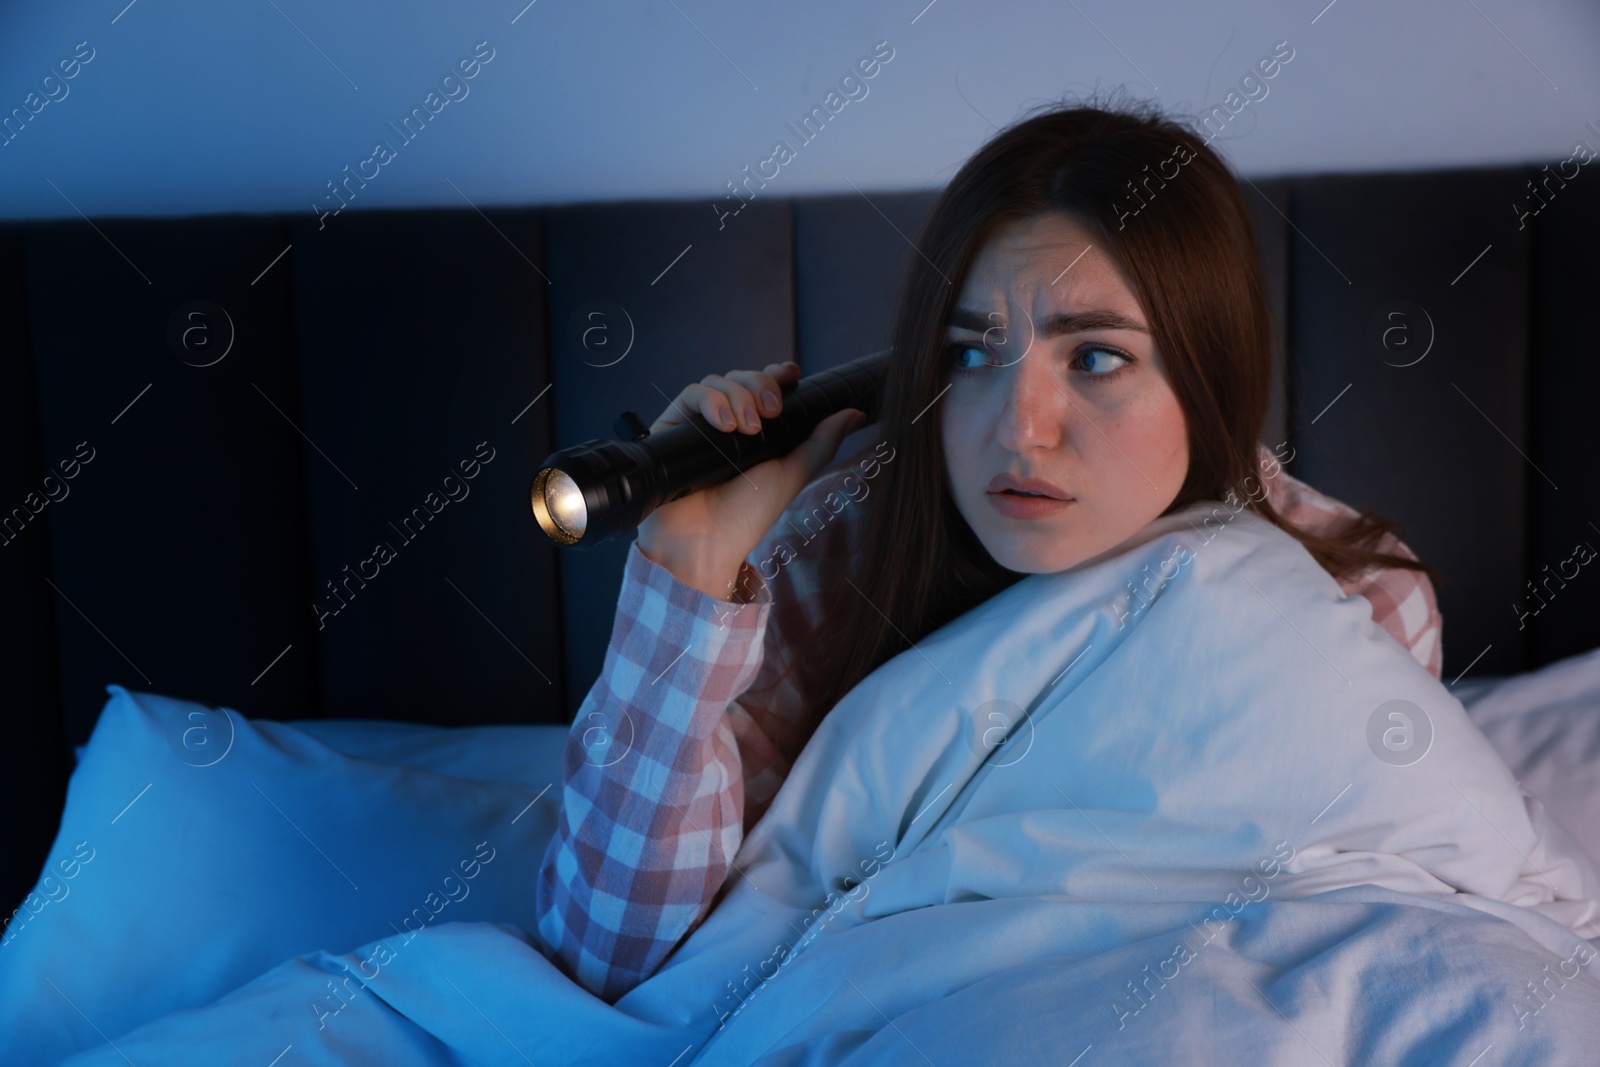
(559, 507)
(591, 493)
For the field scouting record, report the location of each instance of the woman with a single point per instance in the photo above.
(1082, 346)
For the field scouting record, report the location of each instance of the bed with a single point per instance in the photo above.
(199, 513)
(352, 892)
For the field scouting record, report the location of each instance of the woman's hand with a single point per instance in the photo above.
(704, 537)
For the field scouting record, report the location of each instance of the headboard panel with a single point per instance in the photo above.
(420, 338)
(177, 556)
(1564, 423)
(370, 358)
(1433, 429)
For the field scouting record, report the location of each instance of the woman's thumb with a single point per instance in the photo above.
(831, 432)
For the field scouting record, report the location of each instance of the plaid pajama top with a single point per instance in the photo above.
(683, 740)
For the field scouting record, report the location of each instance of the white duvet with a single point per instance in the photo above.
(1189, 798)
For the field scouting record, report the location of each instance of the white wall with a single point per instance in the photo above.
(190, 107)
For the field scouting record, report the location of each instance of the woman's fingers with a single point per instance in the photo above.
(738, 400)
(765, 390)
(728, 396)
(679, 408)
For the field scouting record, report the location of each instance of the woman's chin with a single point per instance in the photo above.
(1031, 555)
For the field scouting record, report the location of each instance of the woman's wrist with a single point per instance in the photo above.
(706, 570)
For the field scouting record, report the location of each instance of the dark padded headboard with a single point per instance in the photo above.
(385, 356)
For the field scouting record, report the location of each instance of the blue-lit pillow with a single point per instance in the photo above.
(199, 848)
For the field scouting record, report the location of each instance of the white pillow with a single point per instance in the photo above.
(1545, 724)
(199, 848)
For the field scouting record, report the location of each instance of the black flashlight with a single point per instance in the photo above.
(593, 492)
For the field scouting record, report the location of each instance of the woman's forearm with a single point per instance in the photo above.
(652, 792)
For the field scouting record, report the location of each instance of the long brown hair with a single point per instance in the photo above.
(1190, 254)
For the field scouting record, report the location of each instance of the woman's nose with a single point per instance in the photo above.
(1032, 407)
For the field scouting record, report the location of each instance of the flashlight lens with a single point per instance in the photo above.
(565, 501)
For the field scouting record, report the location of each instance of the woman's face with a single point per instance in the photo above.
(1055, 376)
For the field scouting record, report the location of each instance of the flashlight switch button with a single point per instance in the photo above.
(630, 427)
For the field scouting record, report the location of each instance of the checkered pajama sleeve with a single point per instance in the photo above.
(1402, 600)
(652, 792)
(1403, 603)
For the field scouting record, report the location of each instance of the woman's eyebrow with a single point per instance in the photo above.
(1053, 325)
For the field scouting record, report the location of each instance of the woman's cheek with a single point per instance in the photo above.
(1157, 426)
(955, 435)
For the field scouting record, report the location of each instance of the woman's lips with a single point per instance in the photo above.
(1018, 506)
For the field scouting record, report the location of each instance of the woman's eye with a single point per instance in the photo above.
(1097, 361)
(960, 352)
(1105, 371)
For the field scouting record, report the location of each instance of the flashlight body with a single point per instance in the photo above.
(624, 481)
